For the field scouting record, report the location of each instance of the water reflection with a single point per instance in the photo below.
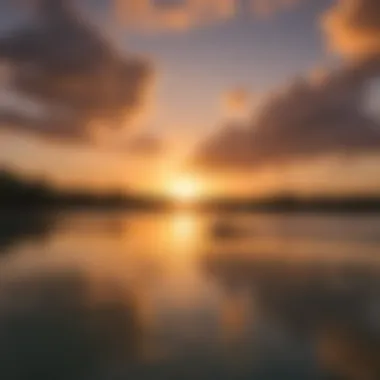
(332, 310)
(148, 301)
(54, 325)
(21, 227)
(349, 351)
(184, 228)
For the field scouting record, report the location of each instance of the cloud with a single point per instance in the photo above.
(308, 119)
(353, 27)
(186, 14)
(66, 67)
(321, 115)
(172, 15)
(146, 144)
(237, 100)
(269, 7)
(230, 147)
(176, 15)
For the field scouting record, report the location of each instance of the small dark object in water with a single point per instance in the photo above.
(222, 230)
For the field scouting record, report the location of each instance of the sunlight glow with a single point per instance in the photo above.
(185, 189)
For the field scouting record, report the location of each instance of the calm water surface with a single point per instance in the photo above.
(156, 296)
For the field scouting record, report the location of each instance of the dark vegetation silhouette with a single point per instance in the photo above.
(18, 192)
(283, 202)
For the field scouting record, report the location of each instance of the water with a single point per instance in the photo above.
(156, 296)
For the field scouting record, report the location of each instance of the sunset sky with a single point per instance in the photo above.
(243, 96)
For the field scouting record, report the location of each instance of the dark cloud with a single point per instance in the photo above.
(353, 26)
(229, 147)
(62, 62)
(306, 120)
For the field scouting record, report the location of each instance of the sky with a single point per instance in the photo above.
(255, 53)
(248, 96)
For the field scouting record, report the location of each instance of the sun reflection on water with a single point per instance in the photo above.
(185, 227)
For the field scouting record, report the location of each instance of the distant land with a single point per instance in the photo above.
(17, 192)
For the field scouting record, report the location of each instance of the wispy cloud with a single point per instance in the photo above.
(186, 14)
(237, 100)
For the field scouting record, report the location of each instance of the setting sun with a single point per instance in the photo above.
(185, 189)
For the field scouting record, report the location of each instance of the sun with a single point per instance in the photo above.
(185, 189)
